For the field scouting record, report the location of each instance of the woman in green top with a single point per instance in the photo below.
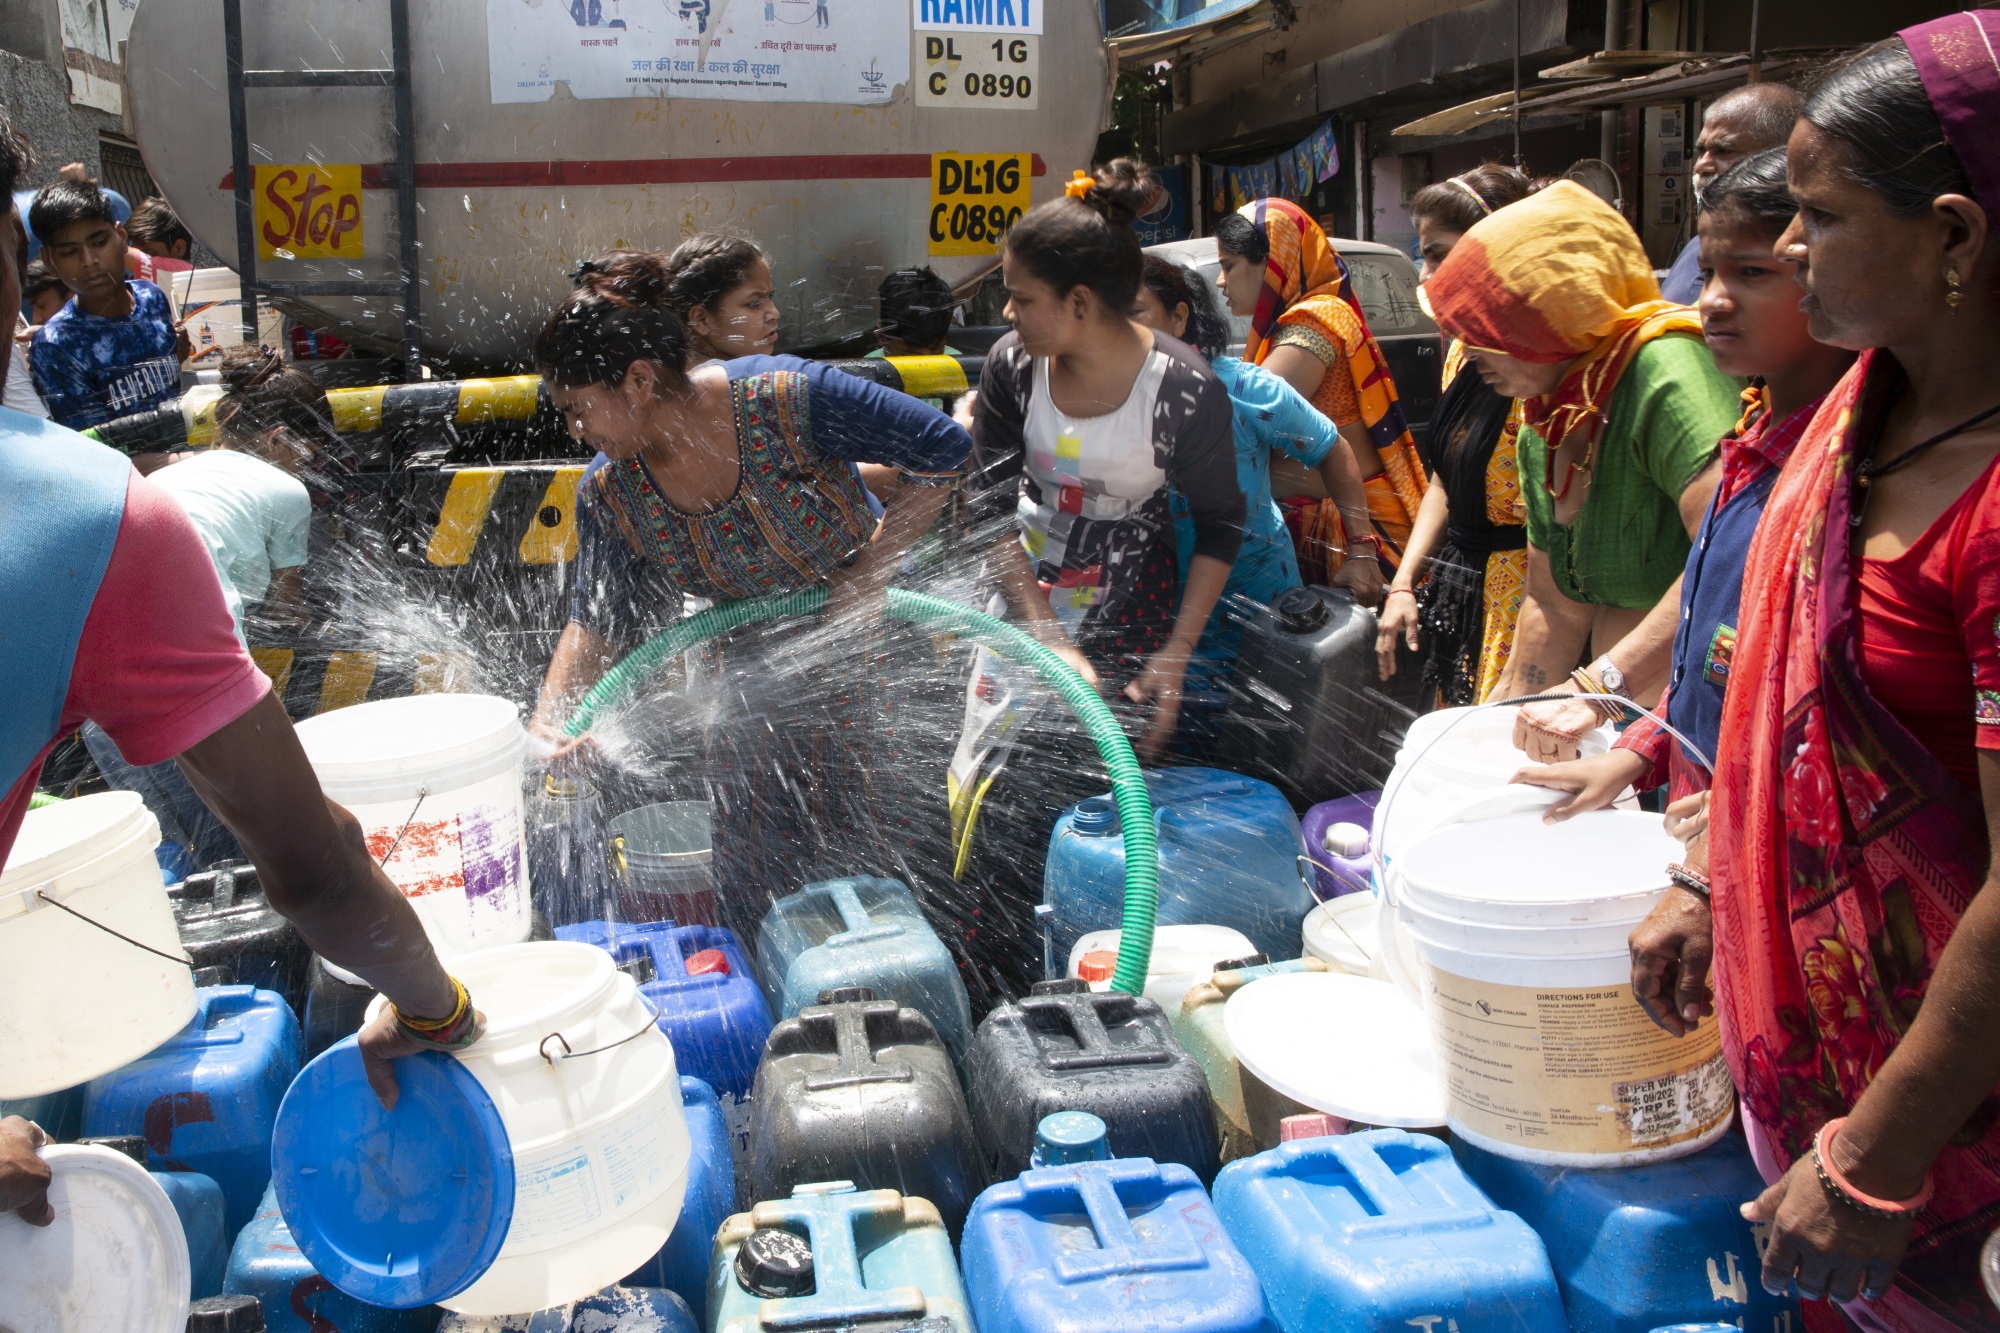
(1557, 306)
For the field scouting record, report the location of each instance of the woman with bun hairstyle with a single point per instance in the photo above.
(1474, 551)
(729, 481)
(1306, 327)
(1084, 420)
(1085, 417)
(719, 286)
(1268, 417)
(273, 410)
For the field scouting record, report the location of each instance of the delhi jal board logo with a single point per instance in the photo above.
(873, 80)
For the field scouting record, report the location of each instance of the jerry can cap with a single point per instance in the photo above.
(1070, 1136)
(1097, 966)
(1300, 611)
(774, 1263)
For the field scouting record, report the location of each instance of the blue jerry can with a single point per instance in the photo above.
(1230, 851)
(206, 1100)
(619, 1309)
(197, 1201)
(703, 986)
(867, 932)
(831, 1257)
(1642, 1246)
(266, 1263)
(681, 1266)
(1382, 1230)
(1107, 1247)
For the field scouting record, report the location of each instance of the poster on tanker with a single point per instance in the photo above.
(850, 51)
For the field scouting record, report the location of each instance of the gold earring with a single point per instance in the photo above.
(1954, 289)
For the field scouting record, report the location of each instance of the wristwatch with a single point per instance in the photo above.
(1609, 676)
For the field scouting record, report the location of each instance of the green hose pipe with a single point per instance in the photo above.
(1128, 785)
(43, 798)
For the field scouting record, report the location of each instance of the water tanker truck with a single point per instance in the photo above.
(849, 137)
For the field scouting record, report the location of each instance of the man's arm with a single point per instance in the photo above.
(316, 870)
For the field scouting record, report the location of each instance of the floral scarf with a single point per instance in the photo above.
(1559, 275)
(1303, 277)
(1843, 857)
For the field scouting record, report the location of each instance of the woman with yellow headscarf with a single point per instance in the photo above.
(1623, 409)
(1306, 327)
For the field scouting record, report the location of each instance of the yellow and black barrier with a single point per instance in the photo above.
(311, 679)
(918, 376)
(189, 421)
(518, 514)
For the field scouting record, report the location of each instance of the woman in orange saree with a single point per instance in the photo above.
(1307, 327)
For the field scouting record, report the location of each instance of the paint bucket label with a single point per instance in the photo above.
(1572, 1071)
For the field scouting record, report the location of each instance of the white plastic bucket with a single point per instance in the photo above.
(114, 1258)
(1446, 757)
(1182, 955)
(75, 1000)
(435, 780)
(1342, 933)
(600, 1143)
(1546, 1055)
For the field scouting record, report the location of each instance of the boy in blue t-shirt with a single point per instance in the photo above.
(112, 351)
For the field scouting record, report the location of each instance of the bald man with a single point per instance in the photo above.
(1739, 123)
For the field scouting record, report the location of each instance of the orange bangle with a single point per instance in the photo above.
(1837, 1184)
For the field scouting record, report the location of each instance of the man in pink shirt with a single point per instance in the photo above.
(114, 614)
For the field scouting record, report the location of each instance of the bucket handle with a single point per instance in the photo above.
(1625, 705)
(184, 961)
(422, 792)
(555, 1059)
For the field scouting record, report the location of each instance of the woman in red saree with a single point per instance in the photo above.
(1856, 925)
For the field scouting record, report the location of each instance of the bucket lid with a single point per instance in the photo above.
(57, 840)
(1596, 868)
(396, 1208)
(381, 750)
(115, 1257)
(1352, 1046)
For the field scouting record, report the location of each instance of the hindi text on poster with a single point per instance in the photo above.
(855, 52)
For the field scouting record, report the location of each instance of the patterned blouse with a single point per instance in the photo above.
(798, 512)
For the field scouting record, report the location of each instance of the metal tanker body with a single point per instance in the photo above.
(850, 137)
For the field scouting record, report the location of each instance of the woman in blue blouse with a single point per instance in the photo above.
(729, 481)
(1267, 415)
